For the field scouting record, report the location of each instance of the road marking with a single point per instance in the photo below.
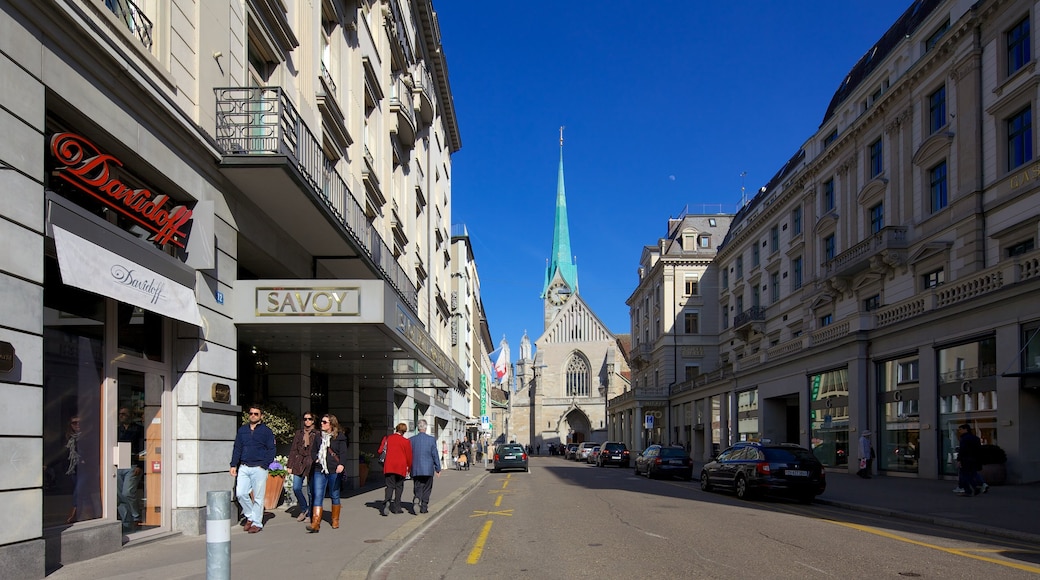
(479, 513)
(498, 501)
(954, 551)
(478, 547)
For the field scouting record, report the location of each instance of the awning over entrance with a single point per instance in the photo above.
(91, 267)
(355, 327)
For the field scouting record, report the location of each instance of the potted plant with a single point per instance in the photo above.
(993, 460)
(364, 460)
(276, 473)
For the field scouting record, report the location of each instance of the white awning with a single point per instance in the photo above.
(91, 267)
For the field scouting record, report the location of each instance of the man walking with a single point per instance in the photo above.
(250, 459)
(426, 464)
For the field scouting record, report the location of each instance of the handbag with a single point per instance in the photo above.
(382, 451)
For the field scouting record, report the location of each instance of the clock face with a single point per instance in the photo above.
(558, 293)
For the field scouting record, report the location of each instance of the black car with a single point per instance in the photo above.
(770, 468)
(660, 461)
(613, 453)
(509, 456)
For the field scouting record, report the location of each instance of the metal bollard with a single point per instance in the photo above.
(218, 535)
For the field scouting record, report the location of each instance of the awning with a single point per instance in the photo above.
(91, 267)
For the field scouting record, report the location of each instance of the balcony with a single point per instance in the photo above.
(271, 155)
(402, 108)
(374, 198)
(335, 136)
(641, 355)
(129, 14)
(423, 92)
(749, 321)
(880, 253)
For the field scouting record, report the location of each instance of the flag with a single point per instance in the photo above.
(502, 362)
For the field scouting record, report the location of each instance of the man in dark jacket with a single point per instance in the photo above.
(250, 460)
(426, 464)
(968, 461)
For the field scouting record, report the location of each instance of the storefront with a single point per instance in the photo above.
(115, 284)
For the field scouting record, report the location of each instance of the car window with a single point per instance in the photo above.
(727, 455)
(789, 454)
(672, 452)
(615, 447)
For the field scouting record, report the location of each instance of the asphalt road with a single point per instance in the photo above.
(571, 520)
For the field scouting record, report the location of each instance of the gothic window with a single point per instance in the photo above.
(578, 377)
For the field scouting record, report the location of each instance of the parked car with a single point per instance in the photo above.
(509, 456)
(593, 455)
(661, 461)
(770, 468)
(584, 449)
(613, 453)
(570, 451)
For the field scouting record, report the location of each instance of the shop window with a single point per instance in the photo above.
(1031, 348)
(140, 332)
(829, 416)
(967, 394)
(898, 396)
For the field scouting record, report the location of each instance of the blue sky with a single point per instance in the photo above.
(665, 104)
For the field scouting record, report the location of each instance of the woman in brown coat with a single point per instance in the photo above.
(300, 463)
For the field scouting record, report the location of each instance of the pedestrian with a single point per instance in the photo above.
(396, 466)
(538, 448)
(300, 464)
(968, 465)
(426, 464)
(330, 454)
(251, 457)
(866, 454)
(128, 479)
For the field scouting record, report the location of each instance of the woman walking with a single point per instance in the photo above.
(329, 454)
(395, 468)
(301, 462)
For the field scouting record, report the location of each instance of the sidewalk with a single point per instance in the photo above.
(364, 538)
(284, 548)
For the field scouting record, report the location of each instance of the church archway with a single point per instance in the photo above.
(578, 426)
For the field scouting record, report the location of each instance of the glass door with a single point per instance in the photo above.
(140, 484)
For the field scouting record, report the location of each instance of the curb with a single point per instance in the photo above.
(935, 520)
(367, 563)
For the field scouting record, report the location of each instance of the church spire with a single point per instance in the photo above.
(562, 261)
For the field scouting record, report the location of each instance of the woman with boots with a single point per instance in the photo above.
(330, 451)
(395, 467)
(301, 462)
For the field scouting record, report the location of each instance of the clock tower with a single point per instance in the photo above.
(561, 273)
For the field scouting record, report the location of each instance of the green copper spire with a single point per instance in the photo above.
(562, 260)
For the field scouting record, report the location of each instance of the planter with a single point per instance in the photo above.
(362, 474)
(273, 492)
(994, 473)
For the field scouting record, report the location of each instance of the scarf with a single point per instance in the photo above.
(326, 438)
(74, 456)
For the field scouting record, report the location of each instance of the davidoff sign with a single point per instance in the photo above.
(95, 173)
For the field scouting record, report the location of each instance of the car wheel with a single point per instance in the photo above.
(705, 482)
(742, 487)
(648, 476)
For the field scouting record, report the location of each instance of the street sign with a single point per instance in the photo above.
(648, 421)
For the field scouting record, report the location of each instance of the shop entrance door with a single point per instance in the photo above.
(140, 483)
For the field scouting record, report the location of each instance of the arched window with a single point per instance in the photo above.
(578, 378)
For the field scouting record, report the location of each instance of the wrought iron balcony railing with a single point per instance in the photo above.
(135, 20)
(257, 121)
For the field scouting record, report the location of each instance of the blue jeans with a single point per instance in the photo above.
(251, 479)
(301, 495)
(321, 481)
(127, 481)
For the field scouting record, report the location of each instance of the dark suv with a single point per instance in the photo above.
(773, 468)
(613, 453)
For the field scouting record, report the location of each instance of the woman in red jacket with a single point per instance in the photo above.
(396, 466)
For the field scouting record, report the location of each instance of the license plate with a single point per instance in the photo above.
(675, 462)
(797, 473)
(616, 457)
(514, 457)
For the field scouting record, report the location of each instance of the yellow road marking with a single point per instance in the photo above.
(954, 551)
(478, 513)
(478, 548)
(505, 483)
(498, 501)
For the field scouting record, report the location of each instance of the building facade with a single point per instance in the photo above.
(243, 203)
(674, 314)
(886, 277)
(578, 363)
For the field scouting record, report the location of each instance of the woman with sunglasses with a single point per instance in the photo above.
(301, 462)
(330, 451)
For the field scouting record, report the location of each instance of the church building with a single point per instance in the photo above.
(578, 364)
